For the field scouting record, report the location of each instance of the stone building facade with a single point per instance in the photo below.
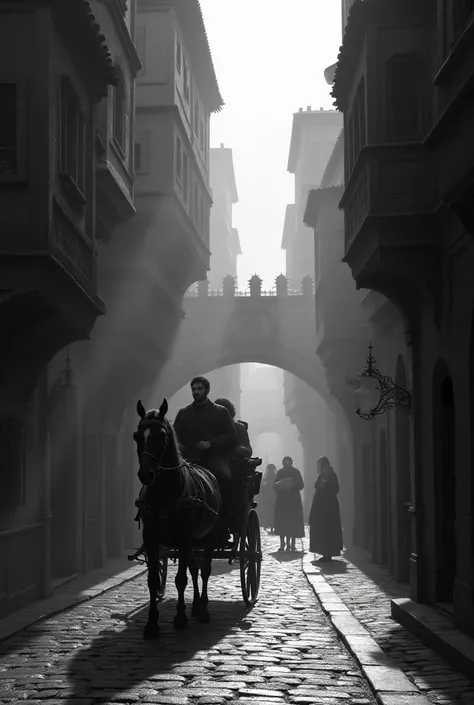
(109, 223)
(408, 226)
(50, 295)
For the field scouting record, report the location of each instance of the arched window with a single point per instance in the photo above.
(120, 110)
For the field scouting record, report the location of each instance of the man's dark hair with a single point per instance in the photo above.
(227, 404)
(287, 457)
(201, 380)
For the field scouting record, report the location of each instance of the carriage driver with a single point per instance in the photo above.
(207, 436)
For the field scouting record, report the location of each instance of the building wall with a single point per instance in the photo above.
(435, 300)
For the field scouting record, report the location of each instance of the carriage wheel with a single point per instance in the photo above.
(250, 558)
(162, 574)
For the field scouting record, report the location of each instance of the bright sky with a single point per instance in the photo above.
(269, 56)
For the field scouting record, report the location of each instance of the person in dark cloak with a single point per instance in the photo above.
(289, 521)
(267, 500)
(324, 519)
(207, 437)
(243, 449)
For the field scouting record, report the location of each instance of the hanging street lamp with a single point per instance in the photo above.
(378, 393)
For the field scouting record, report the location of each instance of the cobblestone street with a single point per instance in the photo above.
(366, 590)
(284, 650)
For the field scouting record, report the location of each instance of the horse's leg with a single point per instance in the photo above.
(194, 570)
(181, 580)
(151, 629)
(203, 614)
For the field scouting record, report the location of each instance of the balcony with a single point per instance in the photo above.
(390, 205)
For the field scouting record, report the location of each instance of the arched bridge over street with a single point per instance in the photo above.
(229, 327)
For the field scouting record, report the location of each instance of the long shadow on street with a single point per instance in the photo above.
(119, 660)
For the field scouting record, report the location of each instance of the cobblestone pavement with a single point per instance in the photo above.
(283, 651)
(367, 589)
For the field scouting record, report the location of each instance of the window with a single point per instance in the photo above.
(72, 136)
(12, 465)
(185, 81)
(185, 177)
(142, 152)
(120, 110)
(138, 156)
(179, 159)
(179, 56)
(8, 129)
(404, 97)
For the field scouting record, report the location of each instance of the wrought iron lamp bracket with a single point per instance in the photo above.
(391, 395)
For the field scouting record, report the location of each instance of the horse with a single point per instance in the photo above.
(179, 505)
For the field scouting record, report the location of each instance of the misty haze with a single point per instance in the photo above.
(236, 381)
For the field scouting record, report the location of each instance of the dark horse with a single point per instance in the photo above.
(179, 505)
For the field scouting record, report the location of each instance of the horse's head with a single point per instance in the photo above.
(152, 438)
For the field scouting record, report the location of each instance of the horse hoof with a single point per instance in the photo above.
(195, 611)
(203, 617)
(181, 622)
(151, 631)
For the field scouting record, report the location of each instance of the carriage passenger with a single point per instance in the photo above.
(207, 437)
(243, 449)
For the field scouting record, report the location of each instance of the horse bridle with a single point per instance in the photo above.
(156, 470)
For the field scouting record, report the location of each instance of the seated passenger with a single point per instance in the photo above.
(243, 449)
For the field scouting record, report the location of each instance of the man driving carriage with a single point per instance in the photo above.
(207, 436)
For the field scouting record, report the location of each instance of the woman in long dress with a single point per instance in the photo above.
(325, 535)
(267, 498)
(289, 521)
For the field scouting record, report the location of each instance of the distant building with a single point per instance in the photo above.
(225, 243)
(177, 92)
(314, 134)
(408, 238)
(225, 249)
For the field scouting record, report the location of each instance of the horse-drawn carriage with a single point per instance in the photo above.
(243, 525)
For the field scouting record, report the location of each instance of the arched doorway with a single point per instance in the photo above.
(384, 501)
(445, 483)
(403, 483)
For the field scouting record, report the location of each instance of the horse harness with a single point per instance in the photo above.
(182, 502)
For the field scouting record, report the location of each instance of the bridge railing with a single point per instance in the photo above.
(229, 290)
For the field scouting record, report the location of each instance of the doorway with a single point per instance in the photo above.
(445, 486)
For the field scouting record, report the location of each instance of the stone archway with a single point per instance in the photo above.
(444, 440)
(402, 538)
(177, 376)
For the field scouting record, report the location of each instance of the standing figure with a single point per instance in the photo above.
(268, 498)
(207, 437)
(243, 449)
(289, 508)
(324, 519)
